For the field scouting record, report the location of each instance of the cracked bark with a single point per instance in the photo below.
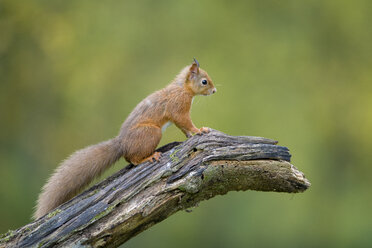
(135, 198)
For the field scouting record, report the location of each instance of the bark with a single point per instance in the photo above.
(132, 200)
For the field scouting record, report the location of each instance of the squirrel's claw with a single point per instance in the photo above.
(153, 158)
(205, 129)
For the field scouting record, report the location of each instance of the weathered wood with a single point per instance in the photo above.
(135, 198)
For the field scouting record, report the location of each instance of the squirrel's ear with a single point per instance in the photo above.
(194, 68)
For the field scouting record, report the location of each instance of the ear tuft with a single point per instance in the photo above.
(194, 68)
(195, 61)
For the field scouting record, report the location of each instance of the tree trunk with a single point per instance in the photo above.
(135, 198)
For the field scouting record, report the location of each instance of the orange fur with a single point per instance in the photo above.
(138, 138)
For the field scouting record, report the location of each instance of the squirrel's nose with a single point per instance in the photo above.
(214, 90)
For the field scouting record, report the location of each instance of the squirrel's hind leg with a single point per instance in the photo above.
(140, 144)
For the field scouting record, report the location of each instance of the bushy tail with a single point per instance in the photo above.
(76, 172)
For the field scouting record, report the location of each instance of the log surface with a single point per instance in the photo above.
(135, 198)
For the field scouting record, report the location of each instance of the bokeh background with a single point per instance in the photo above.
(295, 71)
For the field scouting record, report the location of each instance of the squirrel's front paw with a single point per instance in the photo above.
(204, 130)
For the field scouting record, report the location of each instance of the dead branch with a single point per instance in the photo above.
(135, 198)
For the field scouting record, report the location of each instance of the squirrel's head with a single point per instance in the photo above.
(198, 80)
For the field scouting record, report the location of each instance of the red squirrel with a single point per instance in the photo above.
(137, 140)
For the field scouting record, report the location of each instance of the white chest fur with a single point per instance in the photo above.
(165, 126)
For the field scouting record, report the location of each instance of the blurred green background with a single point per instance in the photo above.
(295, 71)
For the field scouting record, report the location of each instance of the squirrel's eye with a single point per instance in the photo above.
(204, 82)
